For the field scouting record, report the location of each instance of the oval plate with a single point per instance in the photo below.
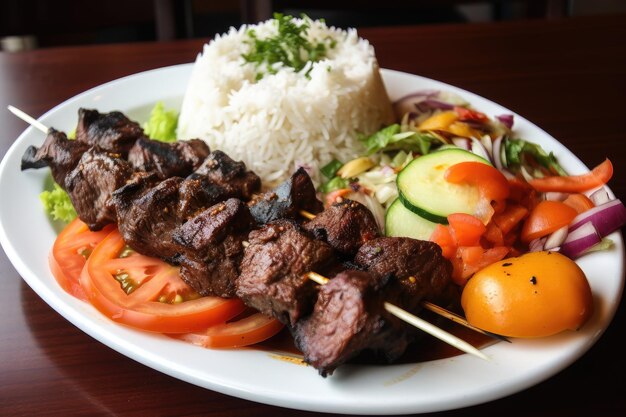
(255, 375)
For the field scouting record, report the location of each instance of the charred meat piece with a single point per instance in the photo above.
(346, 226)
(113, 132)
(57, 152)
(418, 266)
(285, 201)
(212, 247)
(273, 269)
(177, 159)
(91, 183)
(148, 211)
(349, 317)
(232, 175)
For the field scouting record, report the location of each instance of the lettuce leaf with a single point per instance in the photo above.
(162, 124)
(57, 204)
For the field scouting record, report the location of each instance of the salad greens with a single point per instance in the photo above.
(391, 138)
(289, 47)
(516, 150)
(57, 204)
(162, 124)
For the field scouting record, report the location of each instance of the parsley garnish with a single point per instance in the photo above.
(289, 47)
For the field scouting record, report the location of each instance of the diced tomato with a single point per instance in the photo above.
(243, 332)
(579, 202)
(466, 229)
(512, 215)
(147, 293)
(600, 175)
(494, 235)
(545, 218)
(442, 236)
(70, 252)
(470, 260)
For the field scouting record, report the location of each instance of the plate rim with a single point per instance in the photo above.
(60, 302)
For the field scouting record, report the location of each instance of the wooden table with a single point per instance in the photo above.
(567, 76)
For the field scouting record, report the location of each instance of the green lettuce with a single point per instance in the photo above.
(391, 138)
(162, 124)
(57, 204)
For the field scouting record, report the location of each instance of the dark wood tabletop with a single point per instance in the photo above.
(567, 76)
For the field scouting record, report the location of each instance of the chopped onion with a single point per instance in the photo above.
(407, 104)
(555, 196)
(526, 174)
(580, 240)
(555, 239)
(497, 153)
(537, 244)
(479, 149)
(506, 119)
(373, 205)
(462, 143)
(431, 103)
(600, 196)
(488, 144)
(606, 218)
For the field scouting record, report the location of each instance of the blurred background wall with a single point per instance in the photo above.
(28, 24)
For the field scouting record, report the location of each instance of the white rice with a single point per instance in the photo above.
(286, 120)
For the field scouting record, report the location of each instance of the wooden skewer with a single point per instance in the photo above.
(393, 309)
(418, 322)
(433, 307)
(28, 119)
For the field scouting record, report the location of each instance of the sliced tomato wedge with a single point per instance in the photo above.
(243, 332)
(70, 252)
(147, 293)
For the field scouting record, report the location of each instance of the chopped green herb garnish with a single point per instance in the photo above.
(289, 47)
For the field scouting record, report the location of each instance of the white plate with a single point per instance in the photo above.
(26, 235)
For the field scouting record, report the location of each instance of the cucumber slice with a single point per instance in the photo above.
(424, 191)
(402, 222)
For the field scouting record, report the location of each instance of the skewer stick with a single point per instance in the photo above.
(430, 306)
(28, 119)
(418, 322)
(391, 308)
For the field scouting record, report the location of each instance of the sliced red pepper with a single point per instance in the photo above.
(600, 175)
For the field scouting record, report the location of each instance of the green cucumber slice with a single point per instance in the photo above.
(424, 191)
(402, 222)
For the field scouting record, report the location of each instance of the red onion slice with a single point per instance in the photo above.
(479, 149)
(555, 239)
(580, 240)
(506, 119)
(497, 153)
(462, 143)
(606, 218)
(537, 244)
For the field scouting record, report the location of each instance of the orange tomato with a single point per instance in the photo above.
(579, 202)
(492, 184)
(545, 218)
(537, 294)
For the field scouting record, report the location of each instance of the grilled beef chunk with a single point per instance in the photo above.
(232, 175)
(273, 269)
(349, 317)
(212, 247)
(148, 210)
(91, 183)
(57, 152)
(285, 201)
(346, 226)
(177, 159)
(417, 265)
(113, 132)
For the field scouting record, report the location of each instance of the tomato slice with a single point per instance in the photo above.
(147, 293)
(70, 252)
(243, 332)
(576, 183)
(579, 202)
(545, 218)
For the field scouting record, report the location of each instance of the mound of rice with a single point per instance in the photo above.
(288, 119)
